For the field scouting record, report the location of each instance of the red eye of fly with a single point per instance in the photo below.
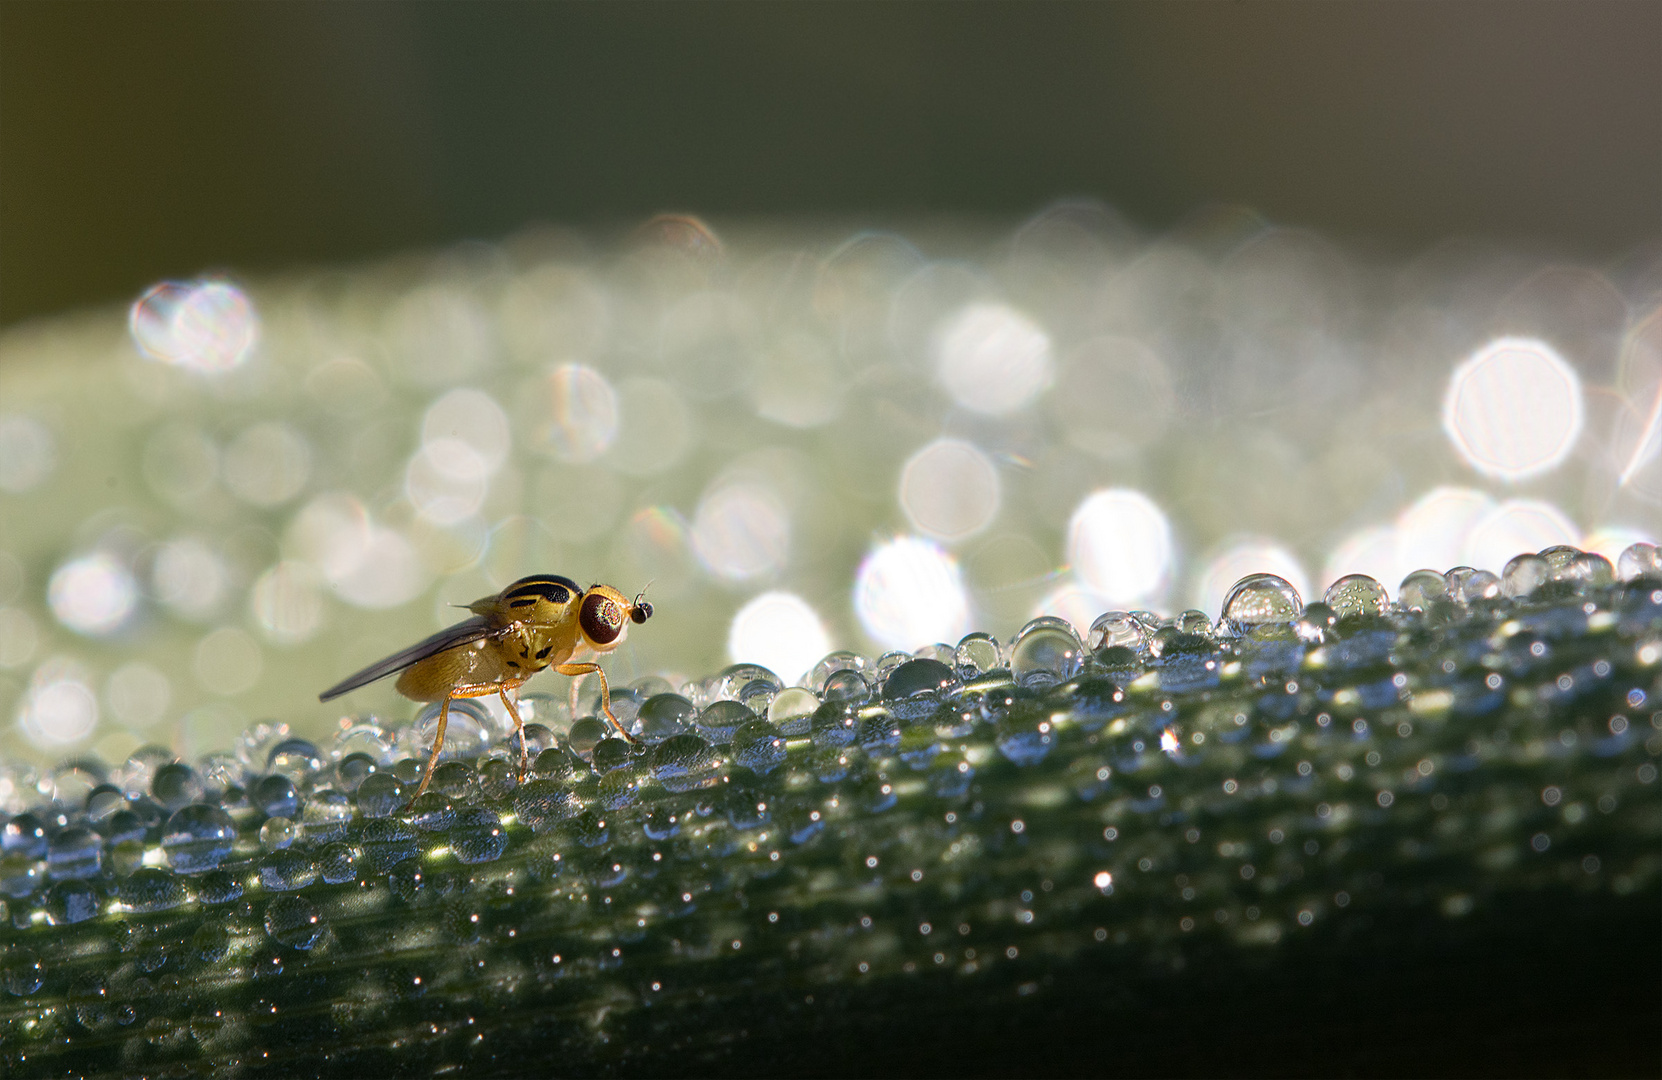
(600, 618)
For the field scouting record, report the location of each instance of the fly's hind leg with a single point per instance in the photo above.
(605, 692)
(438, 744)
(519, 725)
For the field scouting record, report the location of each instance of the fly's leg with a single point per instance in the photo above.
(605, 693)
(519, 725)
(433, 758)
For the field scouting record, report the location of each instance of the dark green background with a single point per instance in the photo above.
(140, 140)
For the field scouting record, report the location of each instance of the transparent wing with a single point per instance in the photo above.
(463, 633)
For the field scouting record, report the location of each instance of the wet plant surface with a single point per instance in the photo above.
(1336, 837)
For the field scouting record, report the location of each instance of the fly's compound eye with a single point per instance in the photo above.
(601, 619)
(641, 612)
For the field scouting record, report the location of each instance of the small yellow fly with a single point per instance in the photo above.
(537, 622)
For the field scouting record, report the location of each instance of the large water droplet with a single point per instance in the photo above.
(76, 852)
(380, 795)
(664, 716)
(197, 838)
(543, 803)
(977, 654)
(176, 785)
(152, 889)
(21, 971)
(1357, 596)
(1259, 599)
(718, 722)
(70, 902)
(1523, 575)
(685, 762)
(337, 864)
(1639, 560)
(296, 759)
(477, 836)
(1046, 653)
(285, 871)
(276, 796)
(1467, 586)
(278, 833)
(1421, 589)
(792, 710)
(386, 843)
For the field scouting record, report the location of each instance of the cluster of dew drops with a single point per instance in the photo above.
(278, 812)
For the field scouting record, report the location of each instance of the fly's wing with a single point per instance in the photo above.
(463, 633)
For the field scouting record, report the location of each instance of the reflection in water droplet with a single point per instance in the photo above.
(1044, 654)
(1245, 558)
(477, 836)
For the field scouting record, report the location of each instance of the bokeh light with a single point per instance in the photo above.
(910, 593)
(992, 358)
(267, 464)
(446, 481)
(1514, 527)
(28, 453)
(227, 661)
(60, 709)
(582, 417)
(1239, 559)
(1433, 533)
(741, 531)
(287, 602)
(93, 594)
(204, 326)
(138, 694)
(1513, 408)
(18, 637)
(781, 632)
(365, 564)
(189, 578)
(1120, 545)
(950, 490)
(1611, 540)
(1071, 603)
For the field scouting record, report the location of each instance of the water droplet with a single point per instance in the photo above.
(1045, 653)
(831, 665)
(70, 902)
(1587, 571)
(210, 944)
(610, 754)
(296, 759)
(847, 686)
(432, 812)
(367, 739)
(759, 747)
(327, 815)
(176, 785)
(287, 870)
(792, 710)
(293, 921)
(914, 688)
(218, 887)
(498, 777)
(152, 889)
(543, 803)
(25, 836)
(1258, 599)
(76, 852)
(1357, 596)
(977, 654)
(1467, 586)
(1523, 575)
(379, 795)
(1117, 628)
(386, 843)
(477, 836)
(834, 725)
(718, 722)
(685, 762)
(276, 796)
(1421, 589)
(1315, 623)
(337, 863)
(197, 838)
(102, 804)
(278, 833)
(585, 735)
(1639, 560)
(20, 876)
(21, 972)
(1025, 736)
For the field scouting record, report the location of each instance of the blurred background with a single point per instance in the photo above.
(319, 319)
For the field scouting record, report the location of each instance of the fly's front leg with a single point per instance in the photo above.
(605, 693)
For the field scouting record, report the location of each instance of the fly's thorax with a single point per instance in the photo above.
(534, 647)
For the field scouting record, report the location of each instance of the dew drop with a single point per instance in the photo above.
(1639, 560)
(176, 785)
(21, 972)
(685, 762)
(379, 795)
(276, 796)
(792, 711)
(432, 812)
(977, 654)
(1467, 586)
(293, 921)
(759, 747)
(296, 759)
(74, 853)
(543, 803)
(152, 889)
(1357, 596)
(285, 871)
(723, 717)
(1258, 599)
(1523, 575)
(386, 843)
(278, 833)
(70, 902)
(1421, 589)
(477, 836)
(211, 943)
(197, 838)
(1046, 653)
(914, 688)
(337, 864)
